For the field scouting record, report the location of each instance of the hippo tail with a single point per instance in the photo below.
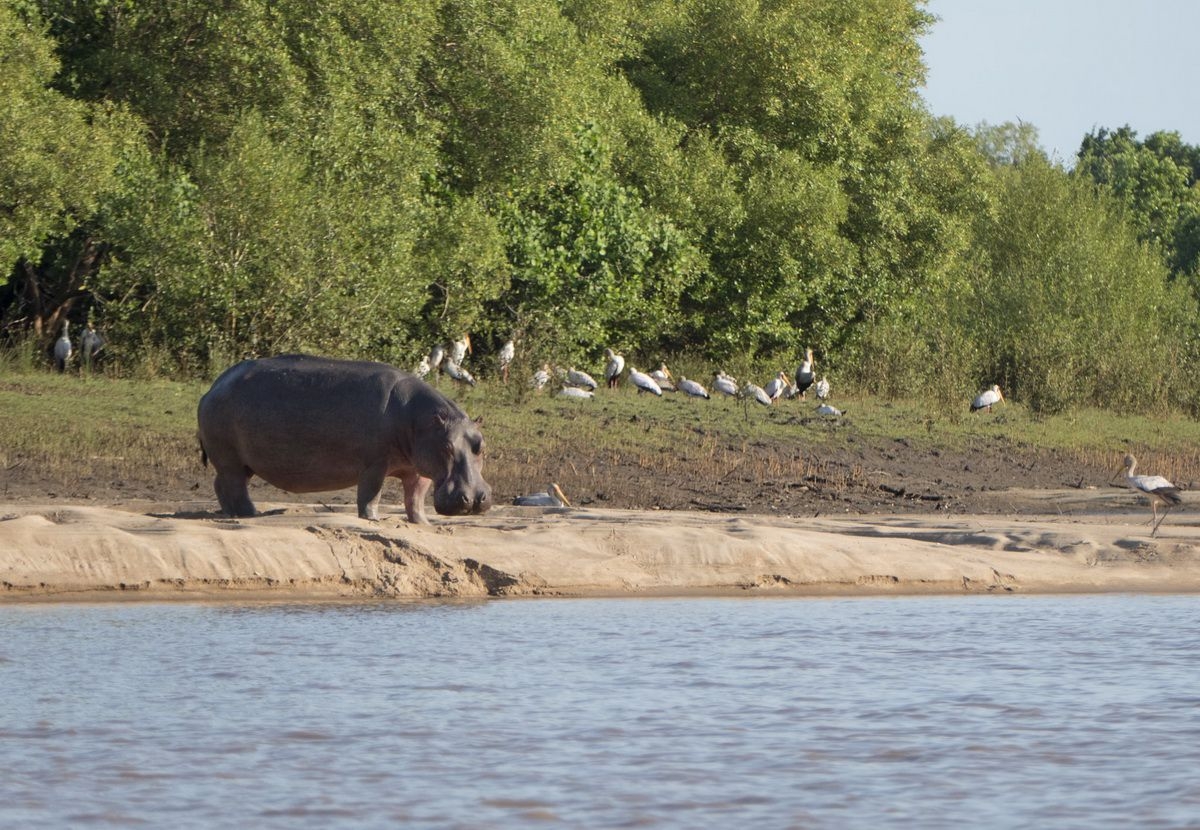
(203, 455)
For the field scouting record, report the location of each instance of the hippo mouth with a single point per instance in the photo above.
(454, 500)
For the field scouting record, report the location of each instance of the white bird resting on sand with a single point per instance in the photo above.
(986, 398)
(692, 389)
(580, 379)
(829, 410)
(644, 382)
(1160, 490)
(553, 497)
(613, 367)
(576, 392)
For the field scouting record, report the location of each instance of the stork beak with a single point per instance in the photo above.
(467, 337)
(562, 496)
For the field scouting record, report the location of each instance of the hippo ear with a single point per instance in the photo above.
(479, 421)
(440, 419)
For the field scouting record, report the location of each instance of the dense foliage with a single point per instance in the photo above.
(732, 179)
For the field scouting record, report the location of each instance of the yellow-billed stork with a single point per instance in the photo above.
(1160, 490)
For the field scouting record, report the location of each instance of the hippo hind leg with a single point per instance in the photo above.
(370, 490)
(232, 492)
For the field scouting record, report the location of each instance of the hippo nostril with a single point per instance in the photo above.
(464, 498)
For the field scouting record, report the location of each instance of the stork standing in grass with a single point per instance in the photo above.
(776, 386)
(644, 382)
(460, 348)
(613, 367)
(1160, 490)
(823, 389)
(805, 374)
(422, 370)
(692, 389)
(987, 398)
(436, 355)
(662, 376)
(757, 393)
(507, 352)
(581, 379)
(458, 373)
(62, 350)
(726, 385)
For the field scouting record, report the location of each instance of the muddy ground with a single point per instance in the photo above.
(883, 477)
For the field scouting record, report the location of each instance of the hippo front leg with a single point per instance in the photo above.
(416, 487)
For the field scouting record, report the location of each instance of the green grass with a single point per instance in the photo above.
(63, 423)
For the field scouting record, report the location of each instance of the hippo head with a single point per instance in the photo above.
(453, 457)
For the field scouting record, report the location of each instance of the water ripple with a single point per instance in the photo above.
(932, 712)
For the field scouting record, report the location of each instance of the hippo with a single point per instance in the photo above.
(306, 424)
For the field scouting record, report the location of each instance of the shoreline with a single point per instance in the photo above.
(1061, 542)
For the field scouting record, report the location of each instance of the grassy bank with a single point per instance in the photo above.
(621, 448)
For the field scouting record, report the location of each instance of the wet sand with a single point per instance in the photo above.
(1054, 542)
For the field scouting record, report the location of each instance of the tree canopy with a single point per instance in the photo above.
(728, 178)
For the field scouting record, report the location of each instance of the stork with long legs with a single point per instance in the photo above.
(1160, 490)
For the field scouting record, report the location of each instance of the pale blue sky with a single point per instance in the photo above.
(1067, 66)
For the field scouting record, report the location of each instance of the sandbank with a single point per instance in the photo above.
(1068, 541)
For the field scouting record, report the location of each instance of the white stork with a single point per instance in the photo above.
(1160, 490)
(90, 345)
(553, 497)
(576, 392)
(726, 385)
(460, 348)
(436, 355)
(691, 388)
(458, 373)
(805, 374)
(644, 382)
(541, 377)
(62, 349)
(580, 379)
(422, 370)
(662, 376)
(986, 398)
(829, 410)
(823, 389)
(507, 352)
(613, 367)
(776, 386)
(753, 390)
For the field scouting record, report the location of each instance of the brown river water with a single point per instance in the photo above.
(989, 712)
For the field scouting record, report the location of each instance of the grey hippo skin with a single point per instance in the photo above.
(306, 424)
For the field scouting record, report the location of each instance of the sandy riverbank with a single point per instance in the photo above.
(1071, 541)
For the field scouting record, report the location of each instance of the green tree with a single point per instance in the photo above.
(1156, 182)
(591, 265)
(57, 158)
